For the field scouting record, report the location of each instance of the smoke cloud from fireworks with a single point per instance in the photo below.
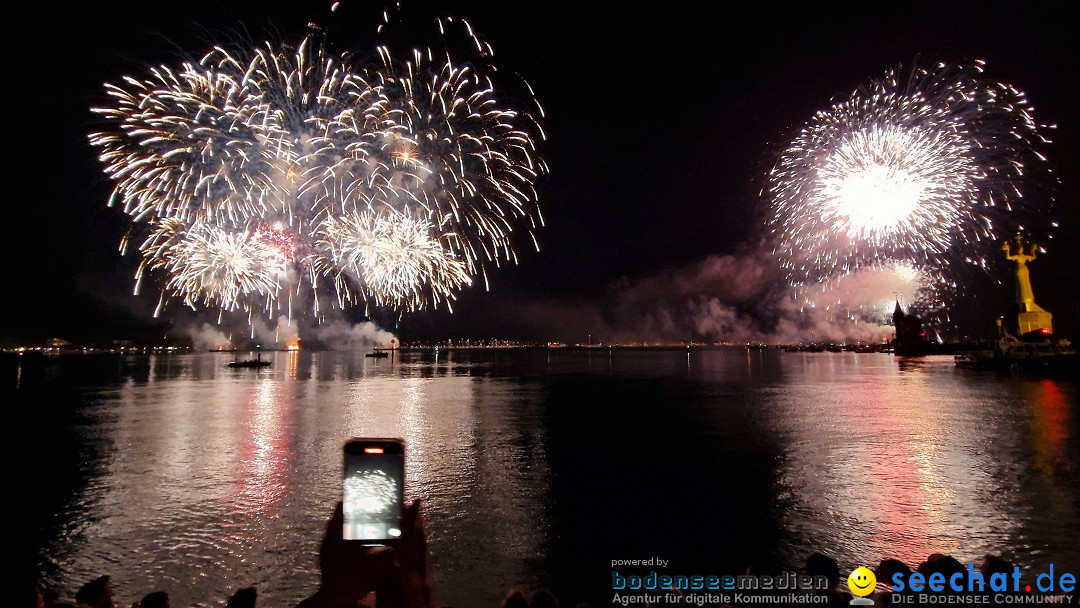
(743, 298)
(334, 335)
(735, 298)
(341, 335)
(205, 336)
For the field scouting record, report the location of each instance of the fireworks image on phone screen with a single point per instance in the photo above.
(372, 498)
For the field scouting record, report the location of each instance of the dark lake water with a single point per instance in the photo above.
(534, 467)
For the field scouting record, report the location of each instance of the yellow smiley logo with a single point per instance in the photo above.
(861, 581)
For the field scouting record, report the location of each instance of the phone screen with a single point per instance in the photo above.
(374, 488)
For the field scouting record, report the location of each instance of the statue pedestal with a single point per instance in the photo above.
(1035, 320)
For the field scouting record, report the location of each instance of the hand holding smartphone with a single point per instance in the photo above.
(373, 490)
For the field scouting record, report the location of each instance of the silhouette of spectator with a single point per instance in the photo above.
(993, 564)
(243, 598)
(543, 598)
(515, 599)
(946, 565)
(887, 568)
(823, 565)
(157, 599)
(97, 593)
(937, 562)
(884, 572)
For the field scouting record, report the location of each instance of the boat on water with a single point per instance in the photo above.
(1009, 353)
(378, 354)
(256, 362)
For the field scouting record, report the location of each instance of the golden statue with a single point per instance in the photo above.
(1031, 317)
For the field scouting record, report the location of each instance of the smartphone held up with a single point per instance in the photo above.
(373, 489)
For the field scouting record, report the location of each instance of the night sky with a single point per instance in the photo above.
(661, 123)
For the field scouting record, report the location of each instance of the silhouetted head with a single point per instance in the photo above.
(515, 599)
(993, 564)
(243, 598)
(950, 566)
(946, 565)
(543, 599)
(933, 557)
(823, 565)
(97, 593)
(888, 567)
(157, 599)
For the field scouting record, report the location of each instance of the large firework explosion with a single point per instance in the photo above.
(926, 173)
(269, 175)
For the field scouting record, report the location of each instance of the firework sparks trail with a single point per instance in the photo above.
(918, 173)
(266, 172)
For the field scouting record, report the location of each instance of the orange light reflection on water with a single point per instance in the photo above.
(1049, 419)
